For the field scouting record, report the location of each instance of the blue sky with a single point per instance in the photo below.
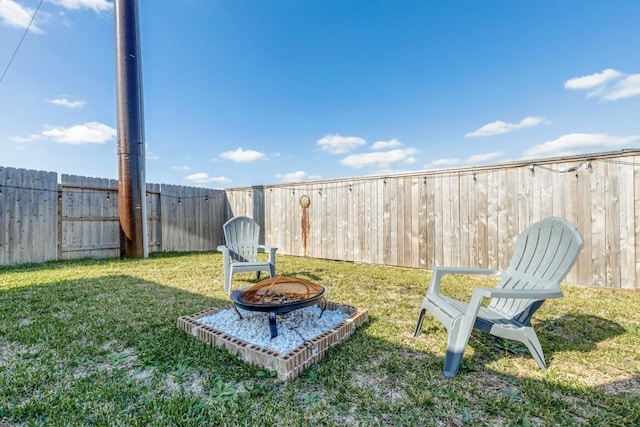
(248, 92)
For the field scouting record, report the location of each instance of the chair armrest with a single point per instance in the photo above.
(265, 248)
(518, 293)
(271, 249)
(481, 293)
(222, 248)
(440, 272)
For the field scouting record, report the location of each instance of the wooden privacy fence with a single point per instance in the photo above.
(464, 217)
(41, 220)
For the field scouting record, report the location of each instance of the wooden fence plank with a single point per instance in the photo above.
(612, 222)
(636, 220)
(483, 218)
(627, 232)
(377, 239)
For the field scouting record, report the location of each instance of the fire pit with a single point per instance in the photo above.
(277, 295)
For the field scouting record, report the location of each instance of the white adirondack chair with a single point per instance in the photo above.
(543, 256)
(240, 252)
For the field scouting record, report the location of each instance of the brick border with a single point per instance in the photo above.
(287, 366)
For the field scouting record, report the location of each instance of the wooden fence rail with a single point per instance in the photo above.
(466, 217)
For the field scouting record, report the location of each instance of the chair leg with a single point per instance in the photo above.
(452, 363)
(419, 324)
(272, 269)
(533, 344)
(526, 335)
(459, 334)
(228, 276)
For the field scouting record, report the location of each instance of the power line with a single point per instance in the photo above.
(20, 42)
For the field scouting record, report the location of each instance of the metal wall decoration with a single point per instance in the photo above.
(305, 224)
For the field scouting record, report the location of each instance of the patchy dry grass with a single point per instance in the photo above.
(94, 342)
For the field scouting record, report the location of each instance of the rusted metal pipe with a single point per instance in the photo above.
(131, 145)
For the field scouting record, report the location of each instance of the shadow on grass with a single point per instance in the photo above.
(576, 332)
(82, 316)
(573, 332)
(90, 262)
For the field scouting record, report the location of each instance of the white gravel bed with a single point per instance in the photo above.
(294, 328)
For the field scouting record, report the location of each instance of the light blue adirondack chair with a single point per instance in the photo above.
(543, 256)
(240, 252)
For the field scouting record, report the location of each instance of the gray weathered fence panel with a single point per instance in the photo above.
(28, 220)
(191, 218)
(154, 218)
(89, 222)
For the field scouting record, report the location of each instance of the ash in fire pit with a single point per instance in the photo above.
(277, 295)
(280, 290)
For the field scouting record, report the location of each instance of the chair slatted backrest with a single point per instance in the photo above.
(544, 254)
(242, 234)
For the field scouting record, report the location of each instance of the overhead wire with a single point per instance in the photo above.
(15, 52)
(567, 170)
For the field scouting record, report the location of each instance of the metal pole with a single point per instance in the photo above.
(131, 146)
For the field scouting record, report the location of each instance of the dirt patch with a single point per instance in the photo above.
(11, 351)
(125, 359)
(381, 386)
(25, 322)
(193, 384)
(629, 386)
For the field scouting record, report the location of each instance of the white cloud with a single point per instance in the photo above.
(242, 156)
(482, 158)
(149, 155)
(593, 80)
(204, 178)
(88, 133)
(380, 159)
(338, 144)
(625, 88)
(385, 145)
(180, 168)
(577, 143)
(297, 176)
(471, 160)
(16, 15)
(442, 163)
(499, 127)
(32, 137)
(95, 5)
(609, 85)
(66, 103)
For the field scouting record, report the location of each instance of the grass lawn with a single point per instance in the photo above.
(95, 342)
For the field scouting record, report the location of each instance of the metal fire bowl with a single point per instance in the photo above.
(274, 308)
